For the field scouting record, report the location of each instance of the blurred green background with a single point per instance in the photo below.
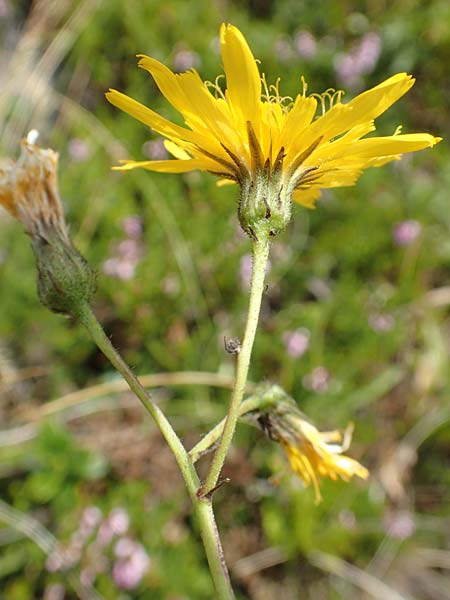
(355, 321)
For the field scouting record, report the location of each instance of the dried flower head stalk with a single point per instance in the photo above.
(29, 192)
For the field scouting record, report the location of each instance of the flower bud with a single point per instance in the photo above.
(65, 280)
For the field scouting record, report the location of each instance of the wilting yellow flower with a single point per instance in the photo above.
(251, 135)
(313, 454)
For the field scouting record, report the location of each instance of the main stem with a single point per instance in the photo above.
(202, 506)
(260, 256)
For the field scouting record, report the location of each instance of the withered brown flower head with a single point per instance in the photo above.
(29, 192)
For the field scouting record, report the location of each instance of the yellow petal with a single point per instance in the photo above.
(362, 109)
(145, 115)
(347, 467)
(338, 177)
(188, 94)
(165, 79)
(297, 120)
(164, 166)
(307, 198)
(222, 182)
(242, 75)
(372, 103)
(176, 151)
(150, 117)
(394, 144)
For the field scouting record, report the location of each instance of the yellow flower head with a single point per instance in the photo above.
(251, 135)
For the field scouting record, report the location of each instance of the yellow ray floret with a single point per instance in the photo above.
(249, 128)
(313, 454)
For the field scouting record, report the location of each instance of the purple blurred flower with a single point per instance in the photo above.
(406, 232)
(318, 380)
(90, 517)
(129, 249)
(283, 49)
(132, 226)
(305, 44)
(126, 257)
(54, 562)
(381, 322)
(319, 287)
(87, 576)
(124, 547)
(361, 60)
(296, 342)
(119, 268)
(184, 60)
(94, 556)
(72, 554)
(105, 534)
(155, 149)
(131, 564)
(400, 525)
(54, 591)
(77, 540)
(119, 521)
(63, 558)
(369, 52)
(78, 149)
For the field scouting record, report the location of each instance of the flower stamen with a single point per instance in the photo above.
(331, 95)
(218, 92)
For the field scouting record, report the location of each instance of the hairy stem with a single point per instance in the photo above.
(202, 506)
(88, 319)
(260, 256)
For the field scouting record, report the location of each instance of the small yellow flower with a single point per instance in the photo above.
(249, 132)
(313, 454)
